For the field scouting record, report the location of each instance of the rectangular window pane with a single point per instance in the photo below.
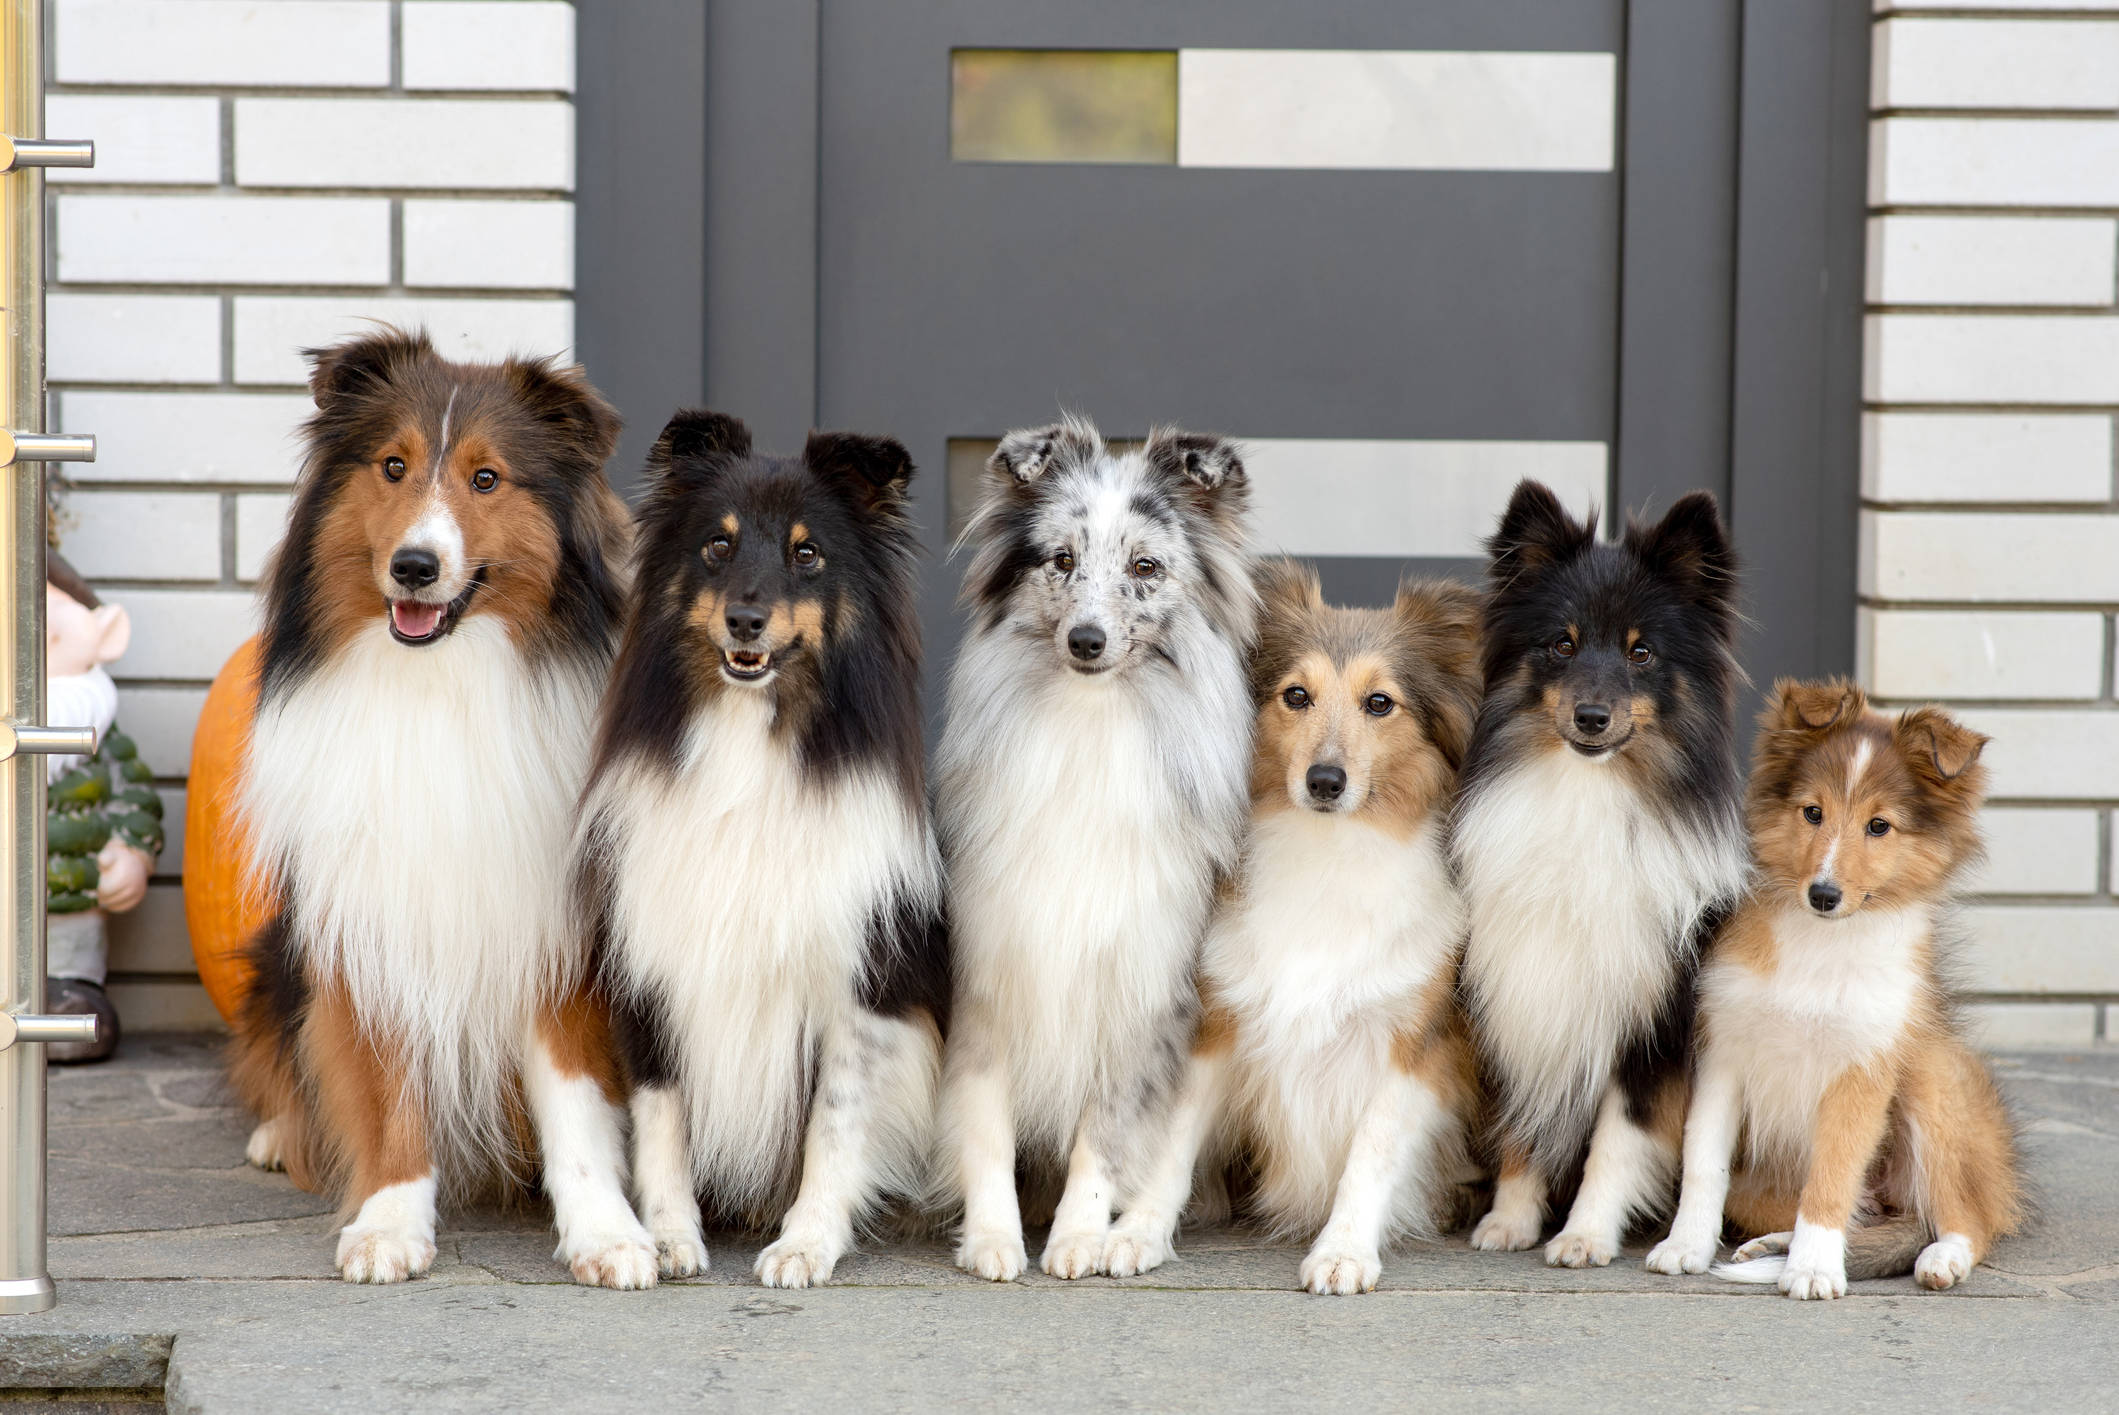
(1399, 110)
(1063, 105)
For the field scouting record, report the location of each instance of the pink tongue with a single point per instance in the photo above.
(415, 621)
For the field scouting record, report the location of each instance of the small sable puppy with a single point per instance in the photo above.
(1090, 792)
(1331, 1052)
(438, 622)
(1600, 839)
(755, 853)
(1870, 1126)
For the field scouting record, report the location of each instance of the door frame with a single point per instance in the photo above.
(1741, 262)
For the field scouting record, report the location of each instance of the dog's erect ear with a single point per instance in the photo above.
(872, 471)
(342, 370)
(1028, 453)
(1445, 611)
(1937, 745)
(1690, 547)
(1287, 589)
(1441, 625)
(1206, 471)
(695, 432)
(1206, 462)
(564, 400)
(1535, 532)
(1289, 595)
(1814, 705)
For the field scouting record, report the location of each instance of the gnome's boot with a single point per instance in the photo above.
(77, 997)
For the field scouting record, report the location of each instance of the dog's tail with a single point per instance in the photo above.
(1886, 1249)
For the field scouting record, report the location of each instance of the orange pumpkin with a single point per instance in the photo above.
(221, 908)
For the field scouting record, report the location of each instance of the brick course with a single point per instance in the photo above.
(269, 173)
(1990, 533)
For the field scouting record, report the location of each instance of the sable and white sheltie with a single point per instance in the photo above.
(1600, 838)
(438, 622)
(1831, 1068)
(756, 854)
(1331, 1053)
(1090, 791)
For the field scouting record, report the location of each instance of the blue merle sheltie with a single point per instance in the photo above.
(756, 857)
(1599, 835)
(438, 622)
(1091, 790)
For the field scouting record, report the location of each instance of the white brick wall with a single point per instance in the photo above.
(1990, 531)
(270, 175)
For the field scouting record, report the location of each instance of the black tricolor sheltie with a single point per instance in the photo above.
(1600, 839)
(756, 855)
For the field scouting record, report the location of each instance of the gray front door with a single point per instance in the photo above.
(1408, 252)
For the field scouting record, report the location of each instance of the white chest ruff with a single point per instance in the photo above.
(415, 804)
(1581, 898)
(1327, 952)
(1838, 997)
(742, 896)
(1081, 874)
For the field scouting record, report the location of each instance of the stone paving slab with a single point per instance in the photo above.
(177, 1262)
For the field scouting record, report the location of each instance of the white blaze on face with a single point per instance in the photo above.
(1860, 764)
(436, 529)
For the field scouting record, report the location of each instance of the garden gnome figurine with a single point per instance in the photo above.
(103, 833)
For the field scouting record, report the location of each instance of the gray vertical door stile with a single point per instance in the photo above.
(1695, 308)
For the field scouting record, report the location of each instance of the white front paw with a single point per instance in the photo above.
(1821, 1282)
(1680, 1254)
(623, 1259)
(1136, 1248)
(1341, 1269)
(1580, 1250)
(1944, 1263)
(680, 1253)
(1499, 1232)
(1072, 1255)
(382, 1255)
(992, 1254)
(264, 1147)
(797, 1260)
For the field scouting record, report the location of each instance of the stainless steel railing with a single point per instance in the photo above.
(24, 1284)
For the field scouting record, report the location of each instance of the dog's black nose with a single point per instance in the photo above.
(414, 568)
(1824, 897)
(1591, 718)
(1085, 642)
(745, 622)
(1325, 782)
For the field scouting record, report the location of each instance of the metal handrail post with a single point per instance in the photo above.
(25, 1286)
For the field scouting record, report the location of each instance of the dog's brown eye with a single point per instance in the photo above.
(1064, 562)
(394, 468)
(1640, 654)
(720, 548)
(1564, 646)
(1814, 814)
(1378, 705)
(485, 478)
(1296, 697)
(1879, 826)
(805, 555)
(1144, 568)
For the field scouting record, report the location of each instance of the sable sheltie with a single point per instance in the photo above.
(1599, 833)
(1868, 1125)
(756, 854)
(437, 625)
(1090, 790)
(1331, 1053)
